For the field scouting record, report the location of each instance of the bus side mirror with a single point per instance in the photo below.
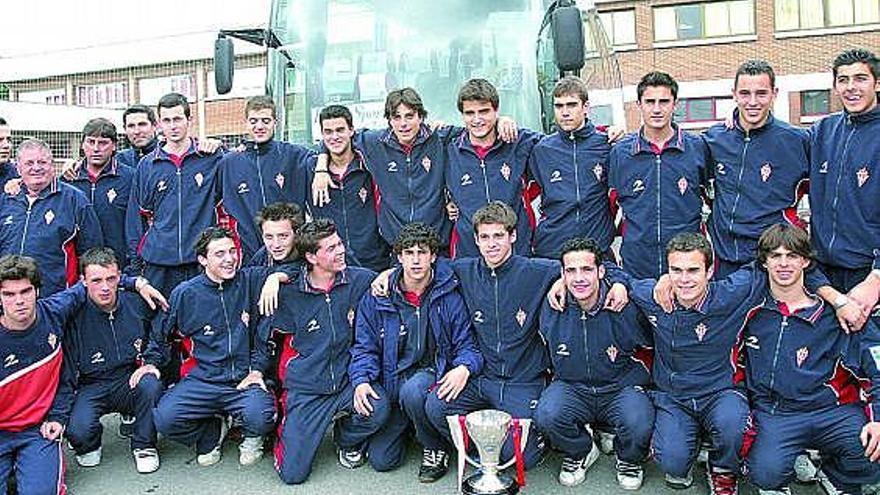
(567, 29)
(224, 65)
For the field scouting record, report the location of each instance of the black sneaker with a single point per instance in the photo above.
(126, 426)
(352, 458)
(435, 464)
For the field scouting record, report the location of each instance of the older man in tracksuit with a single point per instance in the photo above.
(216, 315)
(845, 181)
(807, 379)
(104, 342)
(49, 220)
(571, 167)
(266, 171)
(316, 319)
(433, 352)
(483, 168)
(601, 365)
(759, 169)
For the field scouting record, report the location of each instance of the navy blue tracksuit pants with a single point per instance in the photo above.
(191, 411)
(96, 399)
(781, 436)
(37, 462)
(517, 399)
(565, 407)
(723, 416)
(306, 418)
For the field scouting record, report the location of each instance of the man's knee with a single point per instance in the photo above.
(549, 415)
(149, 389)
(292, 474)
(769, 472)
(83, 426)
(412, 395)
(385, 462)
(258, 413)
(674, 459)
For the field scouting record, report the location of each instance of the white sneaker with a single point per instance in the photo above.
(146, 460)
(213, 457)
(574, 471)
(250, 451)
(677, 483)
(89, 459)
(804, 469)
(606, 442)
(784, 491)
(629, 475)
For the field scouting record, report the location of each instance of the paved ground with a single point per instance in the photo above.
(180, 475)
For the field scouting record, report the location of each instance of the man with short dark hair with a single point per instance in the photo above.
(601, 368)
(266, 171)
(658, 177)
(278, 223)
(7, 167)
(482, 168)
(103, 342)
(433, 351)
(47, 219)
(354, 199)
(216, 315)
(316, 320)
(139, 123)
(845, 181)
(106, 182)
(759, 169)
(172, 201)
(807, 379)
(571, 168)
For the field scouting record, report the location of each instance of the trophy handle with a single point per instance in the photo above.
(525, 424)
(456, 430)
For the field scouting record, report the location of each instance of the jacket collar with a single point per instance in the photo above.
(642, 145)
(305, 286)
(770, 122)
(862, 118)
(47, 191)
(260, 148)
(390, 138)
(586, 130)
(109, 170)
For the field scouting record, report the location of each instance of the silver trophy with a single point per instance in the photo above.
(488, 429)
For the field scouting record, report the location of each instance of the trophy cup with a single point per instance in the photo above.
(488, 429)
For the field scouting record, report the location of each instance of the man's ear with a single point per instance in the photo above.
(601, 270)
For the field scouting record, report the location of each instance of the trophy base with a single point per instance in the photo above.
(481, 484)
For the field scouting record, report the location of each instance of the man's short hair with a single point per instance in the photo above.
(312, 233)
(405, 96)
(478, 90)
(691, 241)
(259, 102)
(16, 267)
(571, 86)
(101, 256)
(138, 108)
(657, 79)
(755, 67)
(854, 56)
(3, 121)
(335, 112)
(417, 234)
(581, 244)
(210, 235)
(781, 235)
(100, 127)
(172, 100)
(495, 212)
(278, 211)
(35, 143)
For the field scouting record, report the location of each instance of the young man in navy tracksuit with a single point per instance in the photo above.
(103, 343)
(658, 177)
(279, 224)
(571, 167)
(106, 182)
(216, 315)
(482, 168)
(407, 161)
(807, 379)
(267, 171)
(414, 342)
(36, 378)
(354, 196)
(316, 319)
(759, 169)
(601, 365)
(139, 123)
(49, 220)
(845, 181)
(173, 199)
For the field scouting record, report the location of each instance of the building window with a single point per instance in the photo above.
(704, 20)
(602, 114)
(48, 96)
(619, 26)
(703, 109)
(152, 89)
(793, 15)
(816, 102)
(107, 95)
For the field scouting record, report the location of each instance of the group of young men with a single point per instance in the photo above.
(751, 335)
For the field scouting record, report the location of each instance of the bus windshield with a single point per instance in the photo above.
(352, 52)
